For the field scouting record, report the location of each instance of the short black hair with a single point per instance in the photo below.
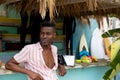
(47, 24)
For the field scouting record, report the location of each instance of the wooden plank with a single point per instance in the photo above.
(107, 3)
(13, 38)
(13, 22)
(10, 21)
(67, 2)
(59, 25)
(11, 1)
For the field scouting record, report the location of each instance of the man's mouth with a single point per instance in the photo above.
(45, 41)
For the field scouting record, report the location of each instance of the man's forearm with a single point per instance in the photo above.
(59, 65)
(16, 68)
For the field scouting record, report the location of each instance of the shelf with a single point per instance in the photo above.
(13, 38)
(14, 22)
(11, 22)
(59, 25)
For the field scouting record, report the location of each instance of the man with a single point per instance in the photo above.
(40, 59)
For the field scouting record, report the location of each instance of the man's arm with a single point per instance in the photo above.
(62, 70)
(13, 65)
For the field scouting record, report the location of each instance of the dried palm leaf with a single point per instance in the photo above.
(42, 7)
(91, 4)
(52, 8)
(47, 5)
(99, 19)
(85, 20)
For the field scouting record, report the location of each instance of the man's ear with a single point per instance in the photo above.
(54, 35)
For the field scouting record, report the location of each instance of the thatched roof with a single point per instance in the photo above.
(8, 1)
(88, 7)
(41, 6)
(75, 8)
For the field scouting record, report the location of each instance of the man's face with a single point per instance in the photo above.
(47, 34)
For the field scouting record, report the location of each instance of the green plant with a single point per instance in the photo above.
(115, 54)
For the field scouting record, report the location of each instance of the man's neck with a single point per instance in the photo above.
(45, 47)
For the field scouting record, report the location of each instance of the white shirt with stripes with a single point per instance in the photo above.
(31, 56)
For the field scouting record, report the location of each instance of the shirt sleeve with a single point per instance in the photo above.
(22, 56)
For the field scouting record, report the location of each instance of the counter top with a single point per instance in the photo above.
(5, 71)
(101, 62)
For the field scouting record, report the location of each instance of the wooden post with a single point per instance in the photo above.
(0, 41)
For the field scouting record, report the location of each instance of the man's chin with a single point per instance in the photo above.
(45, 44)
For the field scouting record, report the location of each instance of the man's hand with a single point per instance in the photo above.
(62, 70)
(35, 76)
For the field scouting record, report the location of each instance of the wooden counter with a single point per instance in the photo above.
(77, 73)
(81, 71)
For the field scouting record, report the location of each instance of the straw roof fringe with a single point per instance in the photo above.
(41, 6)
(87, 7)
(76, 8)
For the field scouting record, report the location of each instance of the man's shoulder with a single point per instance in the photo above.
(31, 45)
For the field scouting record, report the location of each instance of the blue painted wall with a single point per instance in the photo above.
(87, 30)
(7, 29)
(92, 73)
(12, 13)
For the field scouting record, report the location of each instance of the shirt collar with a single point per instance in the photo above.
(40, 47)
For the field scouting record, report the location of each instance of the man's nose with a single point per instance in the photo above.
(44, 36)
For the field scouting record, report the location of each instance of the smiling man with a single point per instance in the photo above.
(40, 59)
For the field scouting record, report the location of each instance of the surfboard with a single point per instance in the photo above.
(97, 45)
(83, 47)
(83, 43)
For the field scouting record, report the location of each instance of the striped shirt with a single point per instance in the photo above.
(31, 56)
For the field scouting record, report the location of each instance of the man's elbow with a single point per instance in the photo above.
(11, 64)
(8, 65)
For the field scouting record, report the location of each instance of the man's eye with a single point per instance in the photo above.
(41, 33)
